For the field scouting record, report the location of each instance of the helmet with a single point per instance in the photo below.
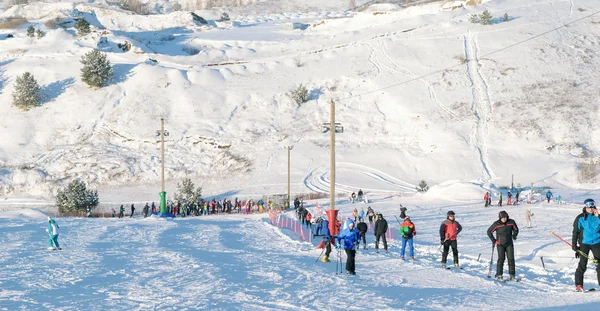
(589, 203)
(449, 213)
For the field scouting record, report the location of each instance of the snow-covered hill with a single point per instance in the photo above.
(480, 115)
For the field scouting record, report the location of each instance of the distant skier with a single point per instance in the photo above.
(586, 232)
(487, 199)
(360, 195)
(529, 197)
(402, 212)
(121, 211)
(353, 197)
(355, 215)
(52, 234)
(528, 215)
(408, 231)
(361, 214)
(350, 237)
(114, 213)
(153, 208)
(517, 198)
(509, 201)
(549, 195)
(146, 209)
(371, 215)
(88, 212)
(558, 200)
(449, 231)
(506, 231)
(500, 199)
(381, 227)
(362, 229)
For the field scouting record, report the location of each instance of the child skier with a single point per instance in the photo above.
(528, 215)
(408, 231)
(52, 234)
(362, 229)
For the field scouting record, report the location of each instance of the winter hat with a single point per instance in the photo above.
(351, 224)
(503, 214)
(407, 218)
(49, 219)
(450, 213)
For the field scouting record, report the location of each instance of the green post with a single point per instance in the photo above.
(163, 202)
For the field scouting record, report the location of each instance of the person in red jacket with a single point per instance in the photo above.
(487, 200)
(449, 230)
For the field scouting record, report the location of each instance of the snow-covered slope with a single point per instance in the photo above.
(241, 262)
(223, 89)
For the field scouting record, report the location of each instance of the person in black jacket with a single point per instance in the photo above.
(381, 228)
(402, 211)
(506, 231)
(577, 237)
(362, 228)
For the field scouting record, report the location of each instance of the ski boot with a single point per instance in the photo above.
(512, 278)
(325, 259)
(579, 288)
(402, 258)
(499, 278)
(456, 266)
(444, 266)
(412, 258)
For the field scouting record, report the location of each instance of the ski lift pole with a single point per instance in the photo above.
(578, 250)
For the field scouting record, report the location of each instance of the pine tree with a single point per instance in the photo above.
(474, 19)
(75, 197)
(486, 18)
(30, 31)
(176, 6)
(27, 93)
(422, 187)
(82, 27)
(186, 191)
(96, 70)
(300, 94)
(39, 33)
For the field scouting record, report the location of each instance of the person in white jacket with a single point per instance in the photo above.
(52, 234)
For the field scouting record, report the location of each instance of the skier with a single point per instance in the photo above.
(517, 198)
(132, 211)
(449, 230)
(355, 215)
(52, 234)
(328, 239)
(486, 198)
(114, 213)
(353, 197)
(360, 195)
(500, 199)
(370, 214)
(528, 215)
(362, 229)
(506, 231)
(408, 231)
(153, 208)
(549, 195)
(146, 209)
(361, 214)
(381, 228)
(88, 212)
(509, 201)
(529, 197)
(586, 232)
(121, 211)
(558, 200)
(351, 237)
(308, 219)
(402, 212)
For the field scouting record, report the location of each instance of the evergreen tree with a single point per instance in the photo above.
(186, 191)
(96, 70)
(474, 19)
(300, 95)
(486, 18)
(82, 27)
(39, 33)
(27, 93)
(75, 197)
(422, 187)
(176, 6)
(30, 31)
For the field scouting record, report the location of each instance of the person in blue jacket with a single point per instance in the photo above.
(588, 227)
(351, 237)
(549, 195)
(52, 234)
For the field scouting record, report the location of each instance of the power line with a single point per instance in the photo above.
(457, 65)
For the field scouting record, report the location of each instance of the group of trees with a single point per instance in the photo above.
(485, 18)
(95, 72)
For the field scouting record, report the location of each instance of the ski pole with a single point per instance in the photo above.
(491, 263)
(578, 250)
(321, 254)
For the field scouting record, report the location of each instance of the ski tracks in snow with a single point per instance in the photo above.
(481, 104)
